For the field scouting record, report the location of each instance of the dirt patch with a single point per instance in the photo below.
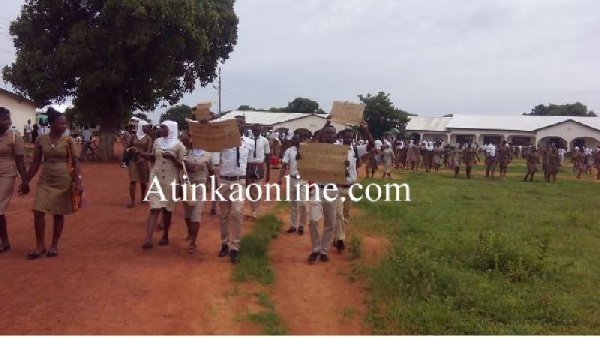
(314, 299)
(102, 282)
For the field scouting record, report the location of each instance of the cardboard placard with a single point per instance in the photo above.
(215, 136)
(347, 112)
(202, 111)
(323, 162)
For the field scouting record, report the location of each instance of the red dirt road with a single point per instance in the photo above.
(102, 282)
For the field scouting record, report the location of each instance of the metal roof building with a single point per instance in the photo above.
(569, 131)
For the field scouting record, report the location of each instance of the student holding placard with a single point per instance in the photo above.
(330, 202)
(233, 162)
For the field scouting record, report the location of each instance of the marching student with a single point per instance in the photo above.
(533, 160)
(167, 154)
(297, 186)
(490, 160)
(355, 153)
(12, 154)
(59, 160)
(469, 158)
(504, 158)
(198, 166)
(255, 170)
(139, 169)
(233, 164)
(328, 203)
(387, 155)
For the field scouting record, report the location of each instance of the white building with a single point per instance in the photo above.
(569, 131)
(21, 109)
(291, 121)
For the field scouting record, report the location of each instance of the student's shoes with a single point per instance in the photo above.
(4, 248)
(52, 252)
(290, 230)
(313, 257)
(324, 257)
(224, 250)
(340, 246)
(32, 255)
(164, 241)
(233, 254)
(300, 230)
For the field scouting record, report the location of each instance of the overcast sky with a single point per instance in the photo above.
(434, 57)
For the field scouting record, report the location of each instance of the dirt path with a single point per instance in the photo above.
(102, 282)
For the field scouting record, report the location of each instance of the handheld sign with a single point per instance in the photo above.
(347, 112)
(215, 136)
(202, 111)
(323, 162)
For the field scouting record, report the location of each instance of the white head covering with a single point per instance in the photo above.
(171, 140)
(140, 129)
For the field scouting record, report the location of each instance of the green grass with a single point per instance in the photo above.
(486, 257)
(269, 320)
(255, 264)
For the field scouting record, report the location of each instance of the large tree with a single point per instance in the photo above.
(382, 116)
(571, 109)
(117, 56)
(178, 114)
(303, 105)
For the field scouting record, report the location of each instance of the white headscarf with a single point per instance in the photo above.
(140, 129)
(171, 140)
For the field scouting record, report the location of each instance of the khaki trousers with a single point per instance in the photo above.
(320, 243)
(253, 192)
(342, 214)
(232, 211)
(297, 202)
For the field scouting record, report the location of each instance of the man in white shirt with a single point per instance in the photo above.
(233, 162)
(490, 160)
(255, 170)
(297, 186)
(87, 141)
(343, 208)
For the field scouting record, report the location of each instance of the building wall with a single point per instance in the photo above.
(20, 112)
(569, 131)
(310, 122)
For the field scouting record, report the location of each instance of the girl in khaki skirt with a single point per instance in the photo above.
(12, 153)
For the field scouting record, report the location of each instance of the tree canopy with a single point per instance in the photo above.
(142, 116)
(178, 114)
(298, 105)
(574, 109)
(117, 56)
(382, 116)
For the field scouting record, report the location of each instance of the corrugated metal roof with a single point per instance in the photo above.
(426, 123)
(518, 122)
(493, 122)
(261, 117)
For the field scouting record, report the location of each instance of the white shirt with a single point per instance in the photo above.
(352, 171)
(228, 159)
(378, 144)
(491, 150)
(262, 148)
(87, 135)
(429, 146)
(289, 158)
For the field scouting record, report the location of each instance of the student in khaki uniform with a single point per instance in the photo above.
(533, 160)
(579, 161)
(438, 157)
(297, 186)
(167, 154)
(12, 154)
(504, 158)
(57, 156)
(553, 163)
(470, 159)
(198, 164)
(457, 159)
(597, 162)
(139, 169)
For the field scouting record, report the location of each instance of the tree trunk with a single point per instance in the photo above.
(109, 125)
